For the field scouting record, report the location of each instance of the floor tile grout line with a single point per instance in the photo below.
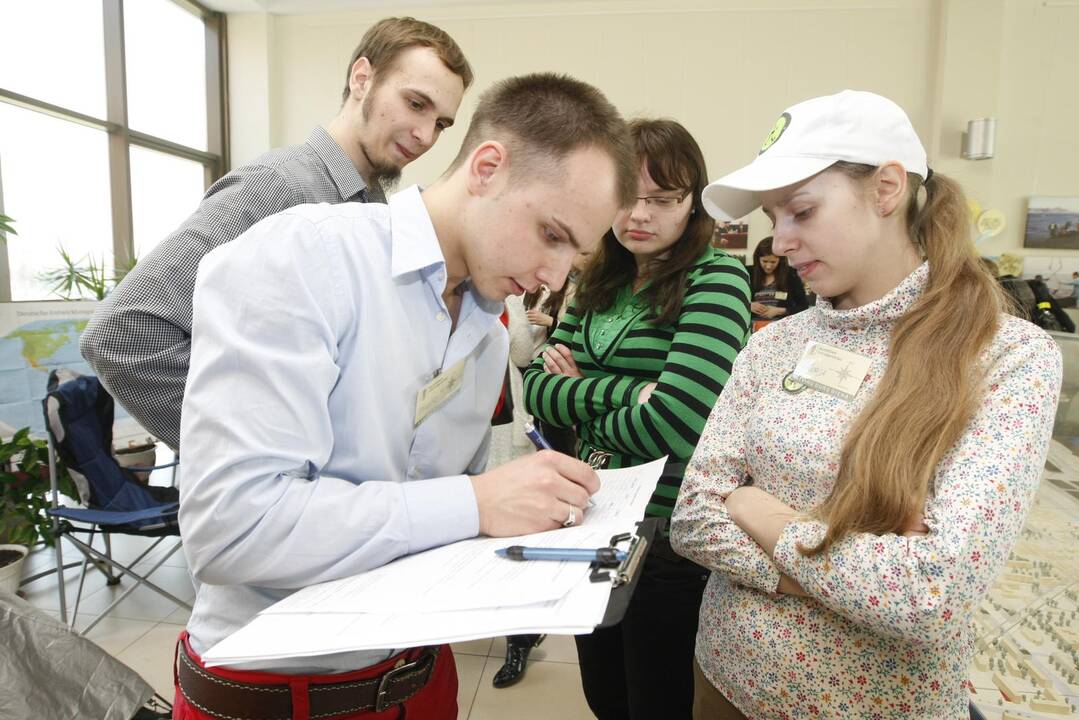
(140, 637)
(116, 612)
(476, 692)
(556, 662)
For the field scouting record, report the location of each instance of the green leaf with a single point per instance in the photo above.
(5, 226)
(24, 489)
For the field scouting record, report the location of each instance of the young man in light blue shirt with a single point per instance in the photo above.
(345, 363)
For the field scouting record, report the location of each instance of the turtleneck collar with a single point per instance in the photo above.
(880, 313)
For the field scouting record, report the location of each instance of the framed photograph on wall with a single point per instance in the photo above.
(1052, 222)
(730, 235)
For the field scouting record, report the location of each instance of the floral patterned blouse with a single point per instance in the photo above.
(886, 631)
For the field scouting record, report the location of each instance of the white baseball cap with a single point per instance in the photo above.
(855, 126)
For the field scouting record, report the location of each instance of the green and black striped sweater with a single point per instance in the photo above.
(619, 352)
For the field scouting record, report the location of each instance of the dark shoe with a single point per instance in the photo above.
(155, 709)
(145, 713)
(517, 649)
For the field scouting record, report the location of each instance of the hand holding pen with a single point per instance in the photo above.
(541, 491)
(541, 444)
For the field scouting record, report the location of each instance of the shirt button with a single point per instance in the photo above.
(440, 317)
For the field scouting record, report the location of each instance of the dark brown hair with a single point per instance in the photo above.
(895, 443)
(543, 117)
(782, 272)
(551, 305)
(675, 162)
(388, 38)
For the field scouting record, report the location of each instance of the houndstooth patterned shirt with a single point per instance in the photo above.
(139, 339)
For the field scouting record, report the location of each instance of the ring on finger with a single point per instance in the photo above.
(571, 519)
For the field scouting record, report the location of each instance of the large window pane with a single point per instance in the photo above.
(56, 186)
(164, 190)
(53, 50)
(166, 71)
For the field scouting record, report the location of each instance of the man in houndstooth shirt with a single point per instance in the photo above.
(403, 87)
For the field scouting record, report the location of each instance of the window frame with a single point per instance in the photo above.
(121, 137)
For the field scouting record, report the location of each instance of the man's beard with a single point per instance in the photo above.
(383, 174)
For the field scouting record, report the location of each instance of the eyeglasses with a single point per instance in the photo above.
(661, 202)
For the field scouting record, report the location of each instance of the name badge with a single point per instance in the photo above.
(442, 387)
(831, 370)
(781, 295)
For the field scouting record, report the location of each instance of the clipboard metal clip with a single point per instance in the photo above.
(622, 572)
(598, 459)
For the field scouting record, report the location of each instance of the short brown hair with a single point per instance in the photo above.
(389, 37)
(543, 117)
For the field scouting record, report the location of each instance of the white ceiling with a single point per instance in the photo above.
(295, 7)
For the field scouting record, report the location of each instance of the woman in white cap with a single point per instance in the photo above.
(866, 472)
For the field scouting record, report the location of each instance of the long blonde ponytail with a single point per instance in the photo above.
(933, 383)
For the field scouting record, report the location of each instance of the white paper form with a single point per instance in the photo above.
(272, 636)
(319, 621)
(468, 575)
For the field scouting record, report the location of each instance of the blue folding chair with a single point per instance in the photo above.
(79, 416)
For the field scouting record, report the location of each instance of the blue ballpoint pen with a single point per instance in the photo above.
(604, 556)
(534, 435)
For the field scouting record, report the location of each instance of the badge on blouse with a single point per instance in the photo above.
(442, 387)
(781, 295)
(831, 370)
(791, 385)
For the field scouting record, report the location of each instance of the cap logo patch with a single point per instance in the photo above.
(782, 124)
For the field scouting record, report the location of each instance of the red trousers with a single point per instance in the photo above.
(436, 701)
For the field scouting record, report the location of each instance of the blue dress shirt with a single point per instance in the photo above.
(313, 333)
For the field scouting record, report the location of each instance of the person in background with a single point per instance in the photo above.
(636, 366)
(777, 291)
(531, 320)
(402, 89)
(547, 310)
(1032, 300)
(868, 468)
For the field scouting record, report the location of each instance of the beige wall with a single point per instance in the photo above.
(725, 69)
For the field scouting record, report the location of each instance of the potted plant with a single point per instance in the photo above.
(85, 278)
(75, 279)
(24, 488)
(24, 485)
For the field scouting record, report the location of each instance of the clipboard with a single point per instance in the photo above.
(624, 576)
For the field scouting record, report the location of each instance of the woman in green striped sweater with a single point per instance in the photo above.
(635, 367)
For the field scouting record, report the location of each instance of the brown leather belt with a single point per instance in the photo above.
(225, 698)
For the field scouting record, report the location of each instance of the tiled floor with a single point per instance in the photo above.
(142, 629)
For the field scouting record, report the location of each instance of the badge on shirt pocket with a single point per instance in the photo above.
(435, 394)
(831, 370)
